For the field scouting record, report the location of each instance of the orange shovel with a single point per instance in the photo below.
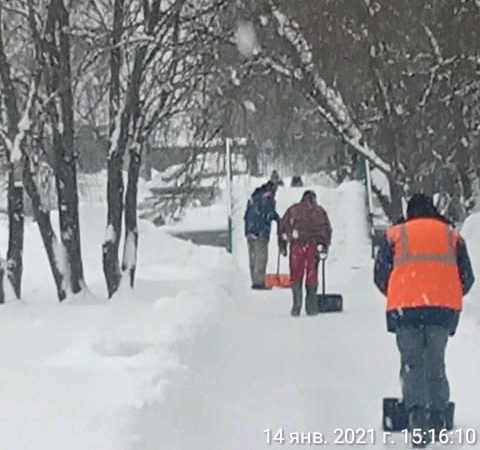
(280, 280)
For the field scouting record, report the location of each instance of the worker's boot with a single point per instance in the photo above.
(436, 421)
(297, 298)
(311, 304)
(417, 425)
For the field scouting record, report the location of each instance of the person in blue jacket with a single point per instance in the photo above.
(260, 213)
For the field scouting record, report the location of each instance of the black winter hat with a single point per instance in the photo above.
(421, 205)
(309, 196)
(275, 179)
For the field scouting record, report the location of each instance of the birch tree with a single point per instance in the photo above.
(153, 69)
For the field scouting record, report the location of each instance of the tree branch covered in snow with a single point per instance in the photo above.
(330, 102)
(382, 80)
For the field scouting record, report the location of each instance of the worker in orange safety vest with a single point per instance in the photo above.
(423, 268)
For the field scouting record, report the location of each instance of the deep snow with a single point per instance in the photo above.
(266, 370)
(75, 375)
(194, 360)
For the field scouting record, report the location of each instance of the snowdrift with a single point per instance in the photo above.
(75, 375)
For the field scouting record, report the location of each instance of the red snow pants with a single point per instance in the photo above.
(304, 259)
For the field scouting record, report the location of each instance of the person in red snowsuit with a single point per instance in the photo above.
(307, 227)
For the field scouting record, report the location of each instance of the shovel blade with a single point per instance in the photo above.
(278, 280)
(329, 303)
(395, 415)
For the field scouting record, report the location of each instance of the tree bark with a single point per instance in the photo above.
(395, 211)
(129, 259)
(117, 137)
(63, 142)
(111, 244)
(15, 234)
(15, 190)
(252, 158)
(129, 262)
(49, 239)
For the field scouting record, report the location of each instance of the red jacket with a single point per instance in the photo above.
(307, 223)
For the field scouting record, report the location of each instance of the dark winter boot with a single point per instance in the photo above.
(436, 421)
(311, 305)
(297, 299)
(418, 425)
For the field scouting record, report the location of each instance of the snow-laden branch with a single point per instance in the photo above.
(330, 102)
(441, 62)
(428, 89)
(433, 71)
(289, 29)
(278, 67)
(434, 43)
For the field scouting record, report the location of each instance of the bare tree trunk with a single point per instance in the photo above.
(252, 158)
(63, 142)
(111, 244)
(16, 232)
(15, 191)
(129, 260)
(50, 241)
(131, 231)
(118, 136)
(395, 211)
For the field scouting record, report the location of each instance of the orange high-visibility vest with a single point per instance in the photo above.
(425, 271)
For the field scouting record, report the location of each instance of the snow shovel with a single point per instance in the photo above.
(395, 415)
(328, 302)
(278, 279)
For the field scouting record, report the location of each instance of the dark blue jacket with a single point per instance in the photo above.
(261, 211)
(416, 317)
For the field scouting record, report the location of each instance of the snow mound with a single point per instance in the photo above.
(75, 375)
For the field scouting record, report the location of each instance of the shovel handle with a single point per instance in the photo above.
(323, 276)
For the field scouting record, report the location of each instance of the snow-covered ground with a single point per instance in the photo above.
(76, 375)
(268, 371)
(194, 360)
